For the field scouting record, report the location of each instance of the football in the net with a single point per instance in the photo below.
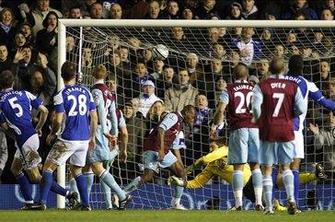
(160, 51)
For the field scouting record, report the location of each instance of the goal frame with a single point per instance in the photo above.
(63, 23)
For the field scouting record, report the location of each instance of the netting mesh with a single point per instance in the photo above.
(209, 55)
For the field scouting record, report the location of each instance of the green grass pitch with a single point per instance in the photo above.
(161, 216)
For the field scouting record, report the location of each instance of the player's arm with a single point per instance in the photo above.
(219, 113)
(57, 118)
(169, 121)
(123, 138)
(256, 102)
(299, 106)
(93, 127)
(43, 116)
(114, 120)
(316, 95)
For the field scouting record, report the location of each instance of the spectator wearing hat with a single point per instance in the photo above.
(147, 97)
(235, 11)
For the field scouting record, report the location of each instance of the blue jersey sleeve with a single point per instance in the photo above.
(316, 95)
(34, 101)
(91, 104)
(59, 103)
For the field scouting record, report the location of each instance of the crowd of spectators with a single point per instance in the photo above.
(197, 70)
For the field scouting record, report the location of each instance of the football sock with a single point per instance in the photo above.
(238, 187)
(26, 187)
(46, 183)
(89, 179)
(107, 194)
(82, 187)
(296, 184)
(133, 185)
(73, 186)
(267, 189)
(110, 181)
(56, 188)
(257, 178)
(289, 184)
(178, 192)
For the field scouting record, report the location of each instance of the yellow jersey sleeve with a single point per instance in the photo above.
(219, 153)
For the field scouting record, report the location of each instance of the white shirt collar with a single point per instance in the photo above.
(99, 81)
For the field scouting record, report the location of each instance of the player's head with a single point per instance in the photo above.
(189, 113)
(241, 71)
(6, 80)
(68, 71)
(296, 65)
(100, 72)
(277, 65)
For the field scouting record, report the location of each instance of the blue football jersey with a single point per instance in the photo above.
(76, 102)
(16, 110)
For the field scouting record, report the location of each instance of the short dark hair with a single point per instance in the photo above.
(277, 65)
(241, 70)
(187, 109)
(296, 65)
(68, 71)
(45, 20)
(7, 79)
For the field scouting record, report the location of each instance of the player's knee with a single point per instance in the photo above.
(147, 177)
(16, 169)
(75, 170)
(35, 177)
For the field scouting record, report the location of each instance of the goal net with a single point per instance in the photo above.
(208, 50)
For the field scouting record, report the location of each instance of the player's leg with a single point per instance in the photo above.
(89, 175)
(267, 159)
(108, 178)
(237, 156)
(201, 179)
(178, 169)
(22, 180)
(253, 159)
(285, 156)
(81, 182)
(295, 165)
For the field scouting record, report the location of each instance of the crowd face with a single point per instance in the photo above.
(327, 15)
(214, 35)
(75, 13)
(147, 54)
(157, 108)
(112, 85)
(201, 102)
(115, 59)
(219, 51)
(43, 5)
(159, 64)
(332, 119)
(248, 5)
(330, 3)
(52, 21)
(324, 69)
(190, 116)
(221, 85)
(173, 8)
(184, 78)
(124, 52)
(3, 53)
(291, 38)
(209, 3)
(27, 54)
(26, 30)
(69, 43)
(168, 74)
(191, 61)
(263, 67)
(266, 35)
(6, 17)
(279, 51)
(87, 53)
(216, 65)
(247, 34)
(149, 90)
(154, 10)
(116, 11)
(37, 80)
(300, 3)
(20, 40)
(235, 12)
(96, 11)
(177, 33)
(187, 14)
(141, 70)
(318, 36)
(128, 112)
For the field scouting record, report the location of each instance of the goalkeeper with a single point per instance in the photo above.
(216, 165)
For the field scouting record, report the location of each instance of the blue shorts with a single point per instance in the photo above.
(244, 146)
(101, 151)
(150, 160)
(276, 153)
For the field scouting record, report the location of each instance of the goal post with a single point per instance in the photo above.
(197, 33)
